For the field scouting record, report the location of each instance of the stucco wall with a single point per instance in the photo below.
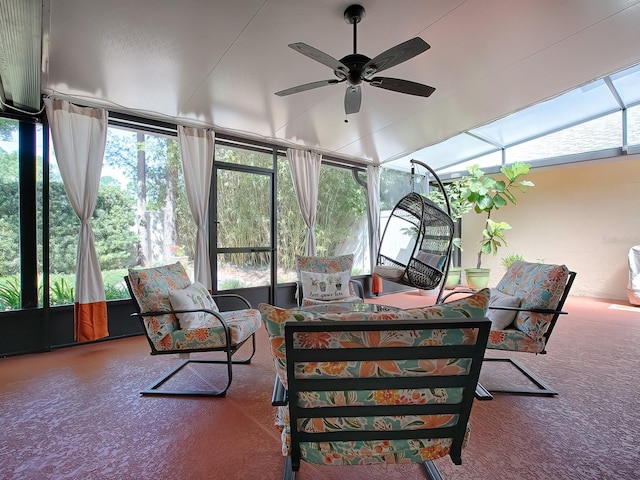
(585, 216)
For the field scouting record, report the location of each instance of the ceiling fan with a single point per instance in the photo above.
(357, 68)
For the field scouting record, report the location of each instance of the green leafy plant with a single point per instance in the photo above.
(62, 293)
(115, 292)
(510, 259)
(10, 294)
(488, 193)
(231, 283)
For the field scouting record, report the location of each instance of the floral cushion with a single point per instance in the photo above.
(372, 452)
(340, 263)
(514, 340)
(538, 285)
(151, 287)
(364, 452)
(242, 324)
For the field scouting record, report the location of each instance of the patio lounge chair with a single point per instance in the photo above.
(180, 317)
(524, 308)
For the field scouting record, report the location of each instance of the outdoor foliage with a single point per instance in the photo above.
(10, 293)
(62, 293)
(142, 213)
(394, 184)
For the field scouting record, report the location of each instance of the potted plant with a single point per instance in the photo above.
(510, 258)
(486, 194)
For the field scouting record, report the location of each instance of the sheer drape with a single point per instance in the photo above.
(305, 172)
(79, 136)
(196, 151)
(373, 197)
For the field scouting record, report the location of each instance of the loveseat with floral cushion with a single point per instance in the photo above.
(375, 382)
(181, 317)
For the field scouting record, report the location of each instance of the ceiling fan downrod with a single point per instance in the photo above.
(353, 15)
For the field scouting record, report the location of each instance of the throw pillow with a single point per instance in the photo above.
(431, 259)
(501, 319)
(195, 296)
(325, 286)
(388, 271)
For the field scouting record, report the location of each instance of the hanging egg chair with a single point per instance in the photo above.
(416, 244)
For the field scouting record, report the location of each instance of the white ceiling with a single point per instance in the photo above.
(218, 63)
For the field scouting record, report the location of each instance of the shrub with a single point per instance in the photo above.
(231, 283)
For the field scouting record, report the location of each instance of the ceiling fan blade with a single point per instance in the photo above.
(306, 86)
(352, 99)
(398, 54)
(319, 56)
(402, 86)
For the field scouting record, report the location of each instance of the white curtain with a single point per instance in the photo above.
(373, 197)
(79, 136)
(197, 151)
(305, 172)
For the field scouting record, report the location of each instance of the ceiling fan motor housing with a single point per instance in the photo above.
(354, 62)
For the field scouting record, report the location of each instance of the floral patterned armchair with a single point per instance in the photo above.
(523, 309)
(390, 387)
(181, 317)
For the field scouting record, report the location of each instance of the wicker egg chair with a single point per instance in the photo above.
(416, 244)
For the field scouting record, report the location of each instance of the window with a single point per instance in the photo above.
(20, 217)
(291, 227)
(599, 134)
(341, 221)
(633, 125)
(141, 217)
(243, 219)
(10, 297)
